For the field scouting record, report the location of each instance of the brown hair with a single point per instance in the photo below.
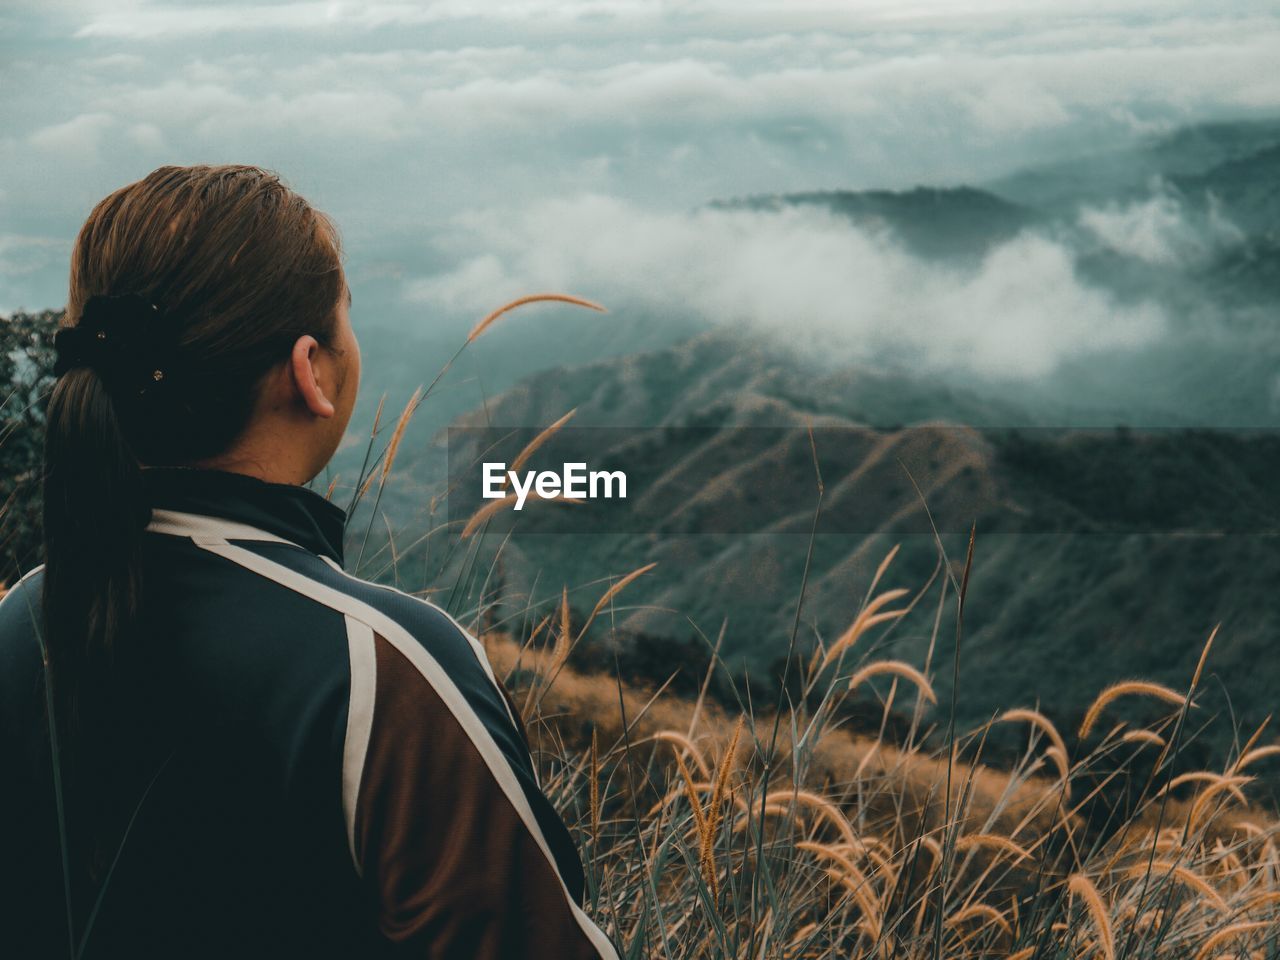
(239, 266)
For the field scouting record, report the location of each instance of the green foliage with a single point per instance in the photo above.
(26, 365)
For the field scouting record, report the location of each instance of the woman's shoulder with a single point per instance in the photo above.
(21, 663)
(414, 619)
(412, 623)
(20, 603)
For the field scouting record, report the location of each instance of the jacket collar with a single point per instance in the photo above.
(290, 512)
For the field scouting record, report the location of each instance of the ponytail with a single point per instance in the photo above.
(94, 515)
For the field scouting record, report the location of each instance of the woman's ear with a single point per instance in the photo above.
(306, 376)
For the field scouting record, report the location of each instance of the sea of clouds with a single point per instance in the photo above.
(811, 278)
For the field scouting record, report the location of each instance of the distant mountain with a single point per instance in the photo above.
(736, 369)
(1246, 189)
(1247, 274)
(1184, 154)
(1223, 179)
(960, 222)
(1100, 554)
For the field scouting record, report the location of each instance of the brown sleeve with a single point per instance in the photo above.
(455, 869)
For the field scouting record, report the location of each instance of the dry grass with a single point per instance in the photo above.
(850, 853)
(495, 507)
(1128, 688)
(488, 320)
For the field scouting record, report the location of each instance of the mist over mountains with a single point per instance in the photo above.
(1136, 286)
(1129, 291)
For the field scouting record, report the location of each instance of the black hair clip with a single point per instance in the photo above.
(127, 340)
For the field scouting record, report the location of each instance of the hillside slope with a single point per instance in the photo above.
(1100, 553)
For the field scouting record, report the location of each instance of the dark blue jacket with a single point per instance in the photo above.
(329, 767)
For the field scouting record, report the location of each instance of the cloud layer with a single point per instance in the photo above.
(808, 277)
(457, 103)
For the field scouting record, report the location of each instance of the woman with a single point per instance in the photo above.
(256, 753)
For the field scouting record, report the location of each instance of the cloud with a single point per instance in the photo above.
(79, 137)
(22, 257)
(148, 20)
(147, 136)
(115, 62)
(806, 276)
(160, 21)
(1159, 230)
(957, 86)
(21, 254)
(214, 110)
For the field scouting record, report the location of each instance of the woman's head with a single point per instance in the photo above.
(250, 325)
(239, 265)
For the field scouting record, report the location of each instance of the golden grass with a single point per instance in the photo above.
(563, 645)
(1045, 726)
(1220, 780)
(594, 787)
(843, 871)
(992, 841)
(1253, 756)
(898, 669)
(536, 443)
(506, 308)
(612, 592)
(988, 914)
(1232, 932)
(854, 829)
(706, 853)
(1183, 874)
(1083, 887)
(1149, 737)
(1128, 688)
(393, 447)
(678, 739)
(869, 617)
(496, 506)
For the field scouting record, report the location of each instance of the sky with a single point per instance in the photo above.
(473, 150)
